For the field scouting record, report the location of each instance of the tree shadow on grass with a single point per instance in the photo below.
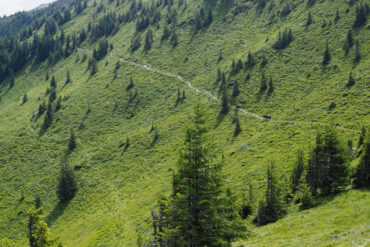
(57, 212)
(220, 118)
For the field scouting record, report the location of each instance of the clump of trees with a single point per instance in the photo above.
(283, 39)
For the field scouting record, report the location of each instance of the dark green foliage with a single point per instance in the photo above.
(94, 67)
(106, 26)
(174, 39)
(198, 22)
(52, 95)
(236, 67)
(351, 80)
(271, 86)
(224, 102)
(246, 207)
(326, 59)
(264, 61)
(236, 90)
(328, 164)
(47, 76)
(272, 208)
(357, 53)
(362, 173)
(48, 118)
(209, 19)
(53, 83)
(148, 40)
(102, 50)
(130, 85)
(67, 186)
(286, 9)
(37, 202)
(25, 98)
(58, 105)
(263, 85)
(309, 19)
(166, 33)
(72, 141)
(11, 83)
(219, 75)
(220, 57)
(362, 137)
(42, 109)
(68, 79)
(361, 15)
(297, 172)
(337, 17)
(284, 39)
(198, 212)
(250, 61)
(303, 194)
(311, 2)
(135, 42)
(237, 127)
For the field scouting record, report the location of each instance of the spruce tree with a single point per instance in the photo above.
(362, 137)
(271, 86)
(272, 208)
(303, 193)
(297, 171)
(68, 79)
(235, 89)
(237, 127)
(53, 83)
(362, 173)
(67, 186)
(349, 38)
(351, 80)
(224, 102)
(309, 19)
(72, 141)
(198, 212)
(38, 231)
(48, 118)
(326, 58)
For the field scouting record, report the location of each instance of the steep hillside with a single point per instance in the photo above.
(118, 183)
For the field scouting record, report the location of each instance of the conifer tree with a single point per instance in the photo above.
(224, 102)
(297, 171)
(68, 79)
(94, 67)
(67, 186)
(362, 173)
(351, 80)
(349, 38)
(309, 19)
(328, 165)
(53, 83)
(198, 212)
(362, 137)
(174, 39)
(235, 89)
(303, 193)
(48, 118)
(326, 58)
(271, 86)
(272, 208)
(237, 127)
(72, 141)
(38, 231)
(263, 85)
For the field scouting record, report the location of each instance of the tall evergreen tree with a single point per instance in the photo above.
(235, 89)
(72, 141)
(224, 102)
(362, 173)
(326, 59)
(357, 52)
(272, 208)
(198, 212)
(67, 186)
(297, 171)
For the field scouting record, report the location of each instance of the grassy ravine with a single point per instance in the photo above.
(117, 189)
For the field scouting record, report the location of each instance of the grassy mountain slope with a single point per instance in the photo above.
(118, 187)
